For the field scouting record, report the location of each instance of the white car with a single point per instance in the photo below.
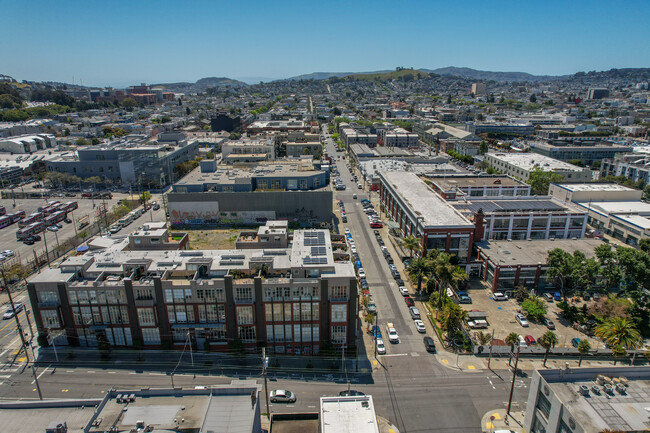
(499, 296)
(347, 231)
(362, 273)
(404, 291)
(522, 320)
(8, 253)
(282, 396)
(419, 325)
(53, 228)
(381, 348)
(18, 307)
(353, 248)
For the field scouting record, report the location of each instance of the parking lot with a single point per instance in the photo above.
(501, 318)
(23, 252)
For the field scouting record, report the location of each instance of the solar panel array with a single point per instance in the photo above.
(314, 260)
(318, 251)
(506, 206)
(314, 239)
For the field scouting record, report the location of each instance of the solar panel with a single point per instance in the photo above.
(318, 251)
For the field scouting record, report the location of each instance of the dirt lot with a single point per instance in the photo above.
(223, 239)
(501, 319)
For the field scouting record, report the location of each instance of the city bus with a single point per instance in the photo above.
(5, 221)
(70, 206)
(16, 216)
(30, 219)
(56, 217)
(48, 206)
(126, 220)
(3, 210)
(30, 230)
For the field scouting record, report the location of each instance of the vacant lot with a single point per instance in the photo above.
(223, 239)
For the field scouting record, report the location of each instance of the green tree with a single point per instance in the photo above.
(145, 196)
(619, 352)
(418, 269)
(539, 180)
(234, 136)
(483, 148)
(95, 141)
(452, 317)
(448, 274)
(547, 341)
(610, 269)
(533, 98)
(411, 243)
(512, 340)
(646, 193)
(81, 142)
(583, 347)
(644, 245)
(560, 267)
(619, 331)
(370, 320)
(635, 266)
(129, 103)
(577, 162)
(483, 338)
(535, 308)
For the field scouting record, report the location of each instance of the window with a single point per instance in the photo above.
(543, 405)
(244, 315)
(339, 312)
(276, 293)
(143, 294)
(274, 312)
(151, 336)
(50, 319)
(212, 313)
(338, 292)
(538, 426)
(339, 334)
(303, 184)
(146, 317)
(49, 296)
(247, 334)
(243, 294)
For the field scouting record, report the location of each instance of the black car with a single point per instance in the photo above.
(399, 281)
(429, 344)
(36, 237)
(351, 393)
(67, 221)
(28, 241)
(389, 259)
(396, 274)
(376, 232)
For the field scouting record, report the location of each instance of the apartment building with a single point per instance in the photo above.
(248, 150)
(586, 151)
(634, 166)
(518, 129)
(520, 165)
(293, 300)
(453, 186)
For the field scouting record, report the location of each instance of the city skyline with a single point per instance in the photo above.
(131, 43)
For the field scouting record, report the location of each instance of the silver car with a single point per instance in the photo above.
(282, 396)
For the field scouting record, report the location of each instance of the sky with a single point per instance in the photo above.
(121, 42)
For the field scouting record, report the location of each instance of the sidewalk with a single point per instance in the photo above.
(496, 420)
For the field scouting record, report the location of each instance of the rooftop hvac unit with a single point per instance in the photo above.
(57, 427)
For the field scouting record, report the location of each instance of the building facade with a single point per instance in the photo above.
(293, 300)
(521, 165)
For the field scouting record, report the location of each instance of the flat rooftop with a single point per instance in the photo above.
(532, 252)
(423, 201)
(348, 414)
(228, 174)
(589, 187)
(618, 207)
(506, 206)
(596, 413)
(36, 420)
(528, 161)
(448, 184)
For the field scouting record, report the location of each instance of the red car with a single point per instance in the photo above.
(409, 301)
(376, 225)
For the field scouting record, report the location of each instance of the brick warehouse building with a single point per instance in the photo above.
(290, 300)
(421, 212)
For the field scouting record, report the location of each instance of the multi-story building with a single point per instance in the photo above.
(634, 166)
(585, 400)
(520, 165)
(297, 148)
(397, 137)
(422, 213)
(290, 300)
(221, 193)
(597, 93)
(350, 135)
(479, 89)
(129, 161)
(259, 127)
(586, 151)
(525, 130)
(248, 150)
(523, 218)
(507, 264)
(456, 186)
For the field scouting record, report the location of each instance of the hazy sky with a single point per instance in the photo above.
(120, 42)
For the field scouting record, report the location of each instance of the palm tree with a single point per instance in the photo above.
(583, 347)
(448, 274)
(452, 317)
(512, 339)
(483, 338)
(548, 340)
(411, 244)
(619, 331)
(418, 269)
(618, 351)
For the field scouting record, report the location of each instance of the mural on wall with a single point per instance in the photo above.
(194, 212)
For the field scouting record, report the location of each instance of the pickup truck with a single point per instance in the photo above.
(477, 324)
(392, 333)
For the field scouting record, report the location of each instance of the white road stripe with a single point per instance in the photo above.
(39, 376)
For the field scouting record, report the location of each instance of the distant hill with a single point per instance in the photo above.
(325, 75)
(201, 85)
(404, 74)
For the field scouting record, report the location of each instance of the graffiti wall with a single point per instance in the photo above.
(194, 212)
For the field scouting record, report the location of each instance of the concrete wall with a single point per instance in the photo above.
(316, 205)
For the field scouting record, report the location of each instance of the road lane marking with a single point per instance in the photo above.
(471, 367)
(39, 376)
(444, 361)
(397, 354)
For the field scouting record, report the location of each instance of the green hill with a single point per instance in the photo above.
(404, 74)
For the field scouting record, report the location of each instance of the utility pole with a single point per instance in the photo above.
(512, 386)
(189, 340)
(20, 332)
(265, 364)
(47, 253)
(491, 344)
(373, 332)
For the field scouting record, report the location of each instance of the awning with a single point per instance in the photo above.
(393, 225)
(82, 248)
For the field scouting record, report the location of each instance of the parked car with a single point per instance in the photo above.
(53, 228)
(350, 393)
(372, 308)
(522, 342)
(415, 313)
(376, 332)
(499, 296)
(575, 341)
(429, 345)
(36, 238)
(399, 281)
(549, 323)
(404, 291)
(8, 253)
(381, 348)
(464, 299)
(354, 196)
(522, 320)
(362, 273)
(530, 340)
(419, 325)
(282, 396)
(548, 297)
(557, 296)
(409, 301)
(376, 225)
